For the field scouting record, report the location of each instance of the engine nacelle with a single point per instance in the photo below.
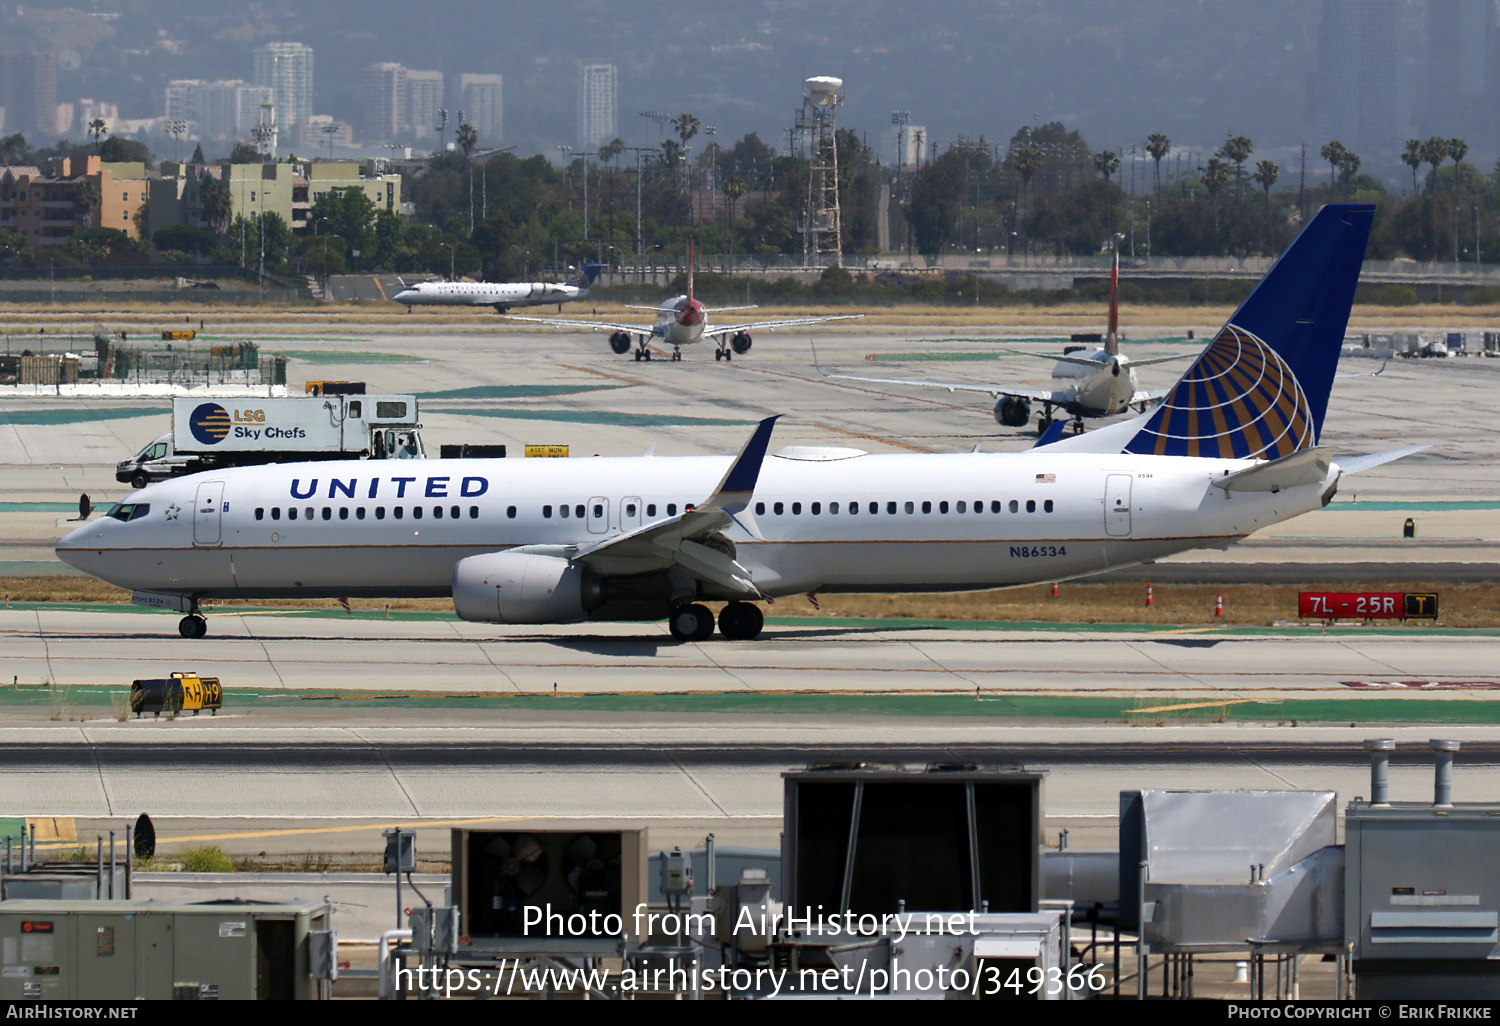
(620, 342)
(517, 587)
(740, 343)
(1012, 411)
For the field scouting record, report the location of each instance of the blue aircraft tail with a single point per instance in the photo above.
(585, 276)
(1260, 391)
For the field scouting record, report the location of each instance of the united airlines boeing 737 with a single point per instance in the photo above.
(1233, 448)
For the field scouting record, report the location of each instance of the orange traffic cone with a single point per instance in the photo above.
(1054, 589)
(1149, 600)
(1219, 604)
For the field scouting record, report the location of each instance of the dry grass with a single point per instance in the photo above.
(1463, 605)
(336, 317)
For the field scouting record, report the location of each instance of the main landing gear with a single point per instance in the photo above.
(739, 621)
(192, 626)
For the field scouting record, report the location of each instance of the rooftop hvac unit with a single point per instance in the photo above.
(866, 840)
(504, 880)
(1227, 868)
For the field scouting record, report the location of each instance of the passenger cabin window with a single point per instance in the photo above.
(379, 512)
(343, 512)
(796, 509)
(398, 512)
(651, 509)
(760, 509)
(275, 512)
(474, 512)
(911, 507)
(416, 512)
(510, 512)
(890, 507)
(546, 512)
(778, 508)
(943, 506)
(996, 506)
(291, 512)
(598, 511)
(327, 513)
(578, 511)
(1015, 507)
(1047, 506)
(672, 509)
(1031, 505)
(260, 513)
(359, 513)
(926, 506)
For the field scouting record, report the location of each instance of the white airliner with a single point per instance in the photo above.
(501, 295)
(1089, 383)
(1232, 449)
(681, 321)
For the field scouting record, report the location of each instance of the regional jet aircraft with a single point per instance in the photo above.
(1232, 448)
(1087, 383)
(501, 295)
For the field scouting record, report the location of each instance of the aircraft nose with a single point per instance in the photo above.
(74, 548)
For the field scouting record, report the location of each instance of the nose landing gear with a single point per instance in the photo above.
(192, 626)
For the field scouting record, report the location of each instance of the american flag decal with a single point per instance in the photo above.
(1046, 479)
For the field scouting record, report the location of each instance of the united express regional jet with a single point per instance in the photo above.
(501, 295)
(1232, 448)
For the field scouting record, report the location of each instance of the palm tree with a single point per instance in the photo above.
(1412, 158)
(1334, 152)
(1348, 168)
(1434, 152)
(686, 126)
(734, 188)
(98, 127)
(467, 138)
(216, 203)
(1215, 177)
(1457, 149)
(1266, 173)
(85, 201)
(1108, 162)
(1158, 145)
(1238, 150)
(1029, 161)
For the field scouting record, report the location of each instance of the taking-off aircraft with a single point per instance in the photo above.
(1231, 449)
(501, 295)
(681, 321)
(1087, 383)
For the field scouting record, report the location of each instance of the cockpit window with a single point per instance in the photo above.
(127, 511)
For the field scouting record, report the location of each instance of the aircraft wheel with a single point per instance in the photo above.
(192, 626)
(647, 356)
(741, 621)
(728, 356)
(638, 356)
(1043, 423)
(691, 623)
(718, 356)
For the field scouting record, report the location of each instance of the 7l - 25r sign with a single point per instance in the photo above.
(1370, 605)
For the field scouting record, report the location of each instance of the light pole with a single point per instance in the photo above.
(451, 251)
(442, 127)
(713, 166)
(176, 129)
(900, 118)
(660, 118)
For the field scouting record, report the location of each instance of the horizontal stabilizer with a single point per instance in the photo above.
(1305, 466)
(1357, 463)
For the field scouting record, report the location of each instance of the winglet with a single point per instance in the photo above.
(734, 491)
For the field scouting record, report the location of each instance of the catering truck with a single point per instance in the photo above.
(211, 433)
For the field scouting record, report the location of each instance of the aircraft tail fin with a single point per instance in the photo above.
(1112, 338)
(1260, 391)
(585, 276)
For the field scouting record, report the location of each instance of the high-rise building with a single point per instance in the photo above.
(424, 99)
(482, 97)
(1461, 70)
(598, 116)
(287, 68)
(1359, 95)
(385, 102)
(28, 92)
(217, 110)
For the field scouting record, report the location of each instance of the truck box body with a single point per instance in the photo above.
(322, 424)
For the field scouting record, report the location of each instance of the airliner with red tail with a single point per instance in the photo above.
(681, 321)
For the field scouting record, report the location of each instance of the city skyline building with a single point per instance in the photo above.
(287, 68)
(424, 100)
(598, 114)
(1461, 72)
(385, 98)
(483, 99)
(1361, 94)
(28, 92)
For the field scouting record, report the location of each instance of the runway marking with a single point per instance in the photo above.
(1200, 705)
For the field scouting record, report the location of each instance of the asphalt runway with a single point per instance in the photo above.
(283, 652)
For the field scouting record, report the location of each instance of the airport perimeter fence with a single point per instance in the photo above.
(57, 359)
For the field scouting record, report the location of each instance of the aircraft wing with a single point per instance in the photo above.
(693, 539)
(1092, 364)
(1148, 361)
(634, 329)
(1147, 397)
(1041, 396)
(772, 325)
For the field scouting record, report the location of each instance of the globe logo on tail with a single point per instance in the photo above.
(1239, 400)
(209, 423)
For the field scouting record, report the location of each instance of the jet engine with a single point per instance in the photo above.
(518, 587)
(1012, 411)
(740, 343)
(620, 342)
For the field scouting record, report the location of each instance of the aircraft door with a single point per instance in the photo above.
(630, 513)
(207, 511)
(1117, 506)
(598, 515)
